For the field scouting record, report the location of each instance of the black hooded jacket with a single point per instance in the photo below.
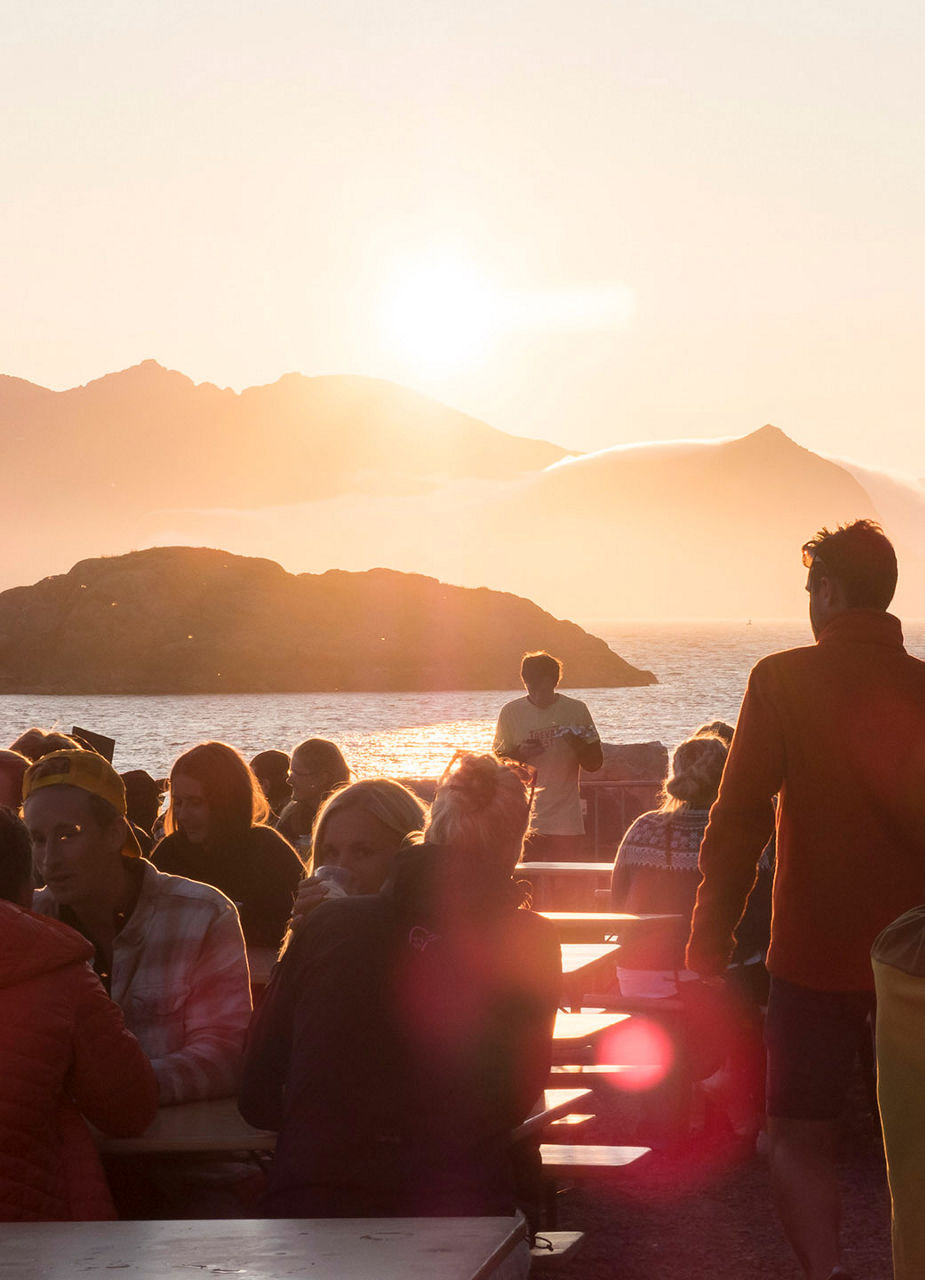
(401, 1039)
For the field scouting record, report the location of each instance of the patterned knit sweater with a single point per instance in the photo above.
(655, 871)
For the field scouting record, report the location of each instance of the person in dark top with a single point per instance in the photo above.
(143, 795)
(216, 834)
(405, 1033)
(12, 770)
(271, 769)
(317, 769)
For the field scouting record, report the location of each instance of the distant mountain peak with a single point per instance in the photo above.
(768, 432)
(147, 374)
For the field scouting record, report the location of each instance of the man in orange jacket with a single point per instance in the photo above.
(836, 730)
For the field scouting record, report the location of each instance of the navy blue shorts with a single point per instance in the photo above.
(812, 1039)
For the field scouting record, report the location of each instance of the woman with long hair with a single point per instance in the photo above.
(405, 1033)
(358, 830)
(216, 832)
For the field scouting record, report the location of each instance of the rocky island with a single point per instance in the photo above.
(199, 620)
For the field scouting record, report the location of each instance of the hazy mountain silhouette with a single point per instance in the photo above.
(351, 473)
(687, 530)
(295, 439)
(185, 620)
(697, 529)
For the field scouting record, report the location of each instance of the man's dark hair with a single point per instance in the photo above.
(860, 557)
(539, 664)
(15, 856)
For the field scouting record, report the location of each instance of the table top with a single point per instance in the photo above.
(271, 1249)
(552, 1105)
(595, 925)
(577, 956)
(564, 868)
(581, 1028)
(215, 1124)
(605, 917)
(212, 1124)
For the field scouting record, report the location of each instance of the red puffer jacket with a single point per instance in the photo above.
(64, 1050)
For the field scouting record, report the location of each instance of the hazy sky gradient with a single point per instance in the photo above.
(233, 189)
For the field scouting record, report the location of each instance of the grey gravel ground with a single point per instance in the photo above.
(703, 1212)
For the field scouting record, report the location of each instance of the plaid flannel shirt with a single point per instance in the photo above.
(180, 975)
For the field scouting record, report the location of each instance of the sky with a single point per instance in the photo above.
(595, 223)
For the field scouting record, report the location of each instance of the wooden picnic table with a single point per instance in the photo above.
(262, 1249)
(567, 885)
(553, 1104)
(584, 1027)
(209, 1125)
(580, 958)
(215, 1125)
(583, 965)
(591, 926)
(576, 869)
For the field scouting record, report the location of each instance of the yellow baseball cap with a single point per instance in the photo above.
(87, 771)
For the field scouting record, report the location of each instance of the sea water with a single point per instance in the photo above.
(702, 668)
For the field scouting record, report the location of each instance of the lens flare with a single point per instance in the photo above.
(636, 1055)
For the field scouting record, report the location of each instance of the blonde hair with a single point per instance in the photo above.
(481, 805)
(696, 770)
(394, 805)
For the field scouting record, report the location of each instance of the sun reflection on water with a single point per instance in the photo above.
(419, 751)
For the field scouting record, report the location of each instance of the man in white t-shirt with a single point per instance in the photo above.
(556, 735)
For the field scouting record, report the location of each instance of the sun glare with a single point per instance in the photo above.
(441, 315)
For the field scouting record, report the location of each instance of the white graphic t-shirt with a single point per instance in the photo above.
(557, 803)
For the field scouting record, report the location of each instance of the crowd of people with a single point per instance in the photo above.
(406, 1027)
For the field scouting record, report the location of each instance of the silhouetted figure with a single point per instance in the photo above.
(35, 743)
(271, 769)
(405, 1033)
(216, 834)
(143, 795)
(837, 730)
(556, 736)
(715, 729)
(317, 769)
(13, 766)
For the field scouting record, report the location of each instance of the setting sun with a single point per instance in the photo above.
(441, 314)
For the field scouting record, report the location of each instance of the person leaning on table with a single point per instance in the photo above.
(64, 1050)
(169, 950)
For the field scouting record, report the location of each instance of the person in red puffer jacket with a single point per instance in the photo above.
(64, 1054)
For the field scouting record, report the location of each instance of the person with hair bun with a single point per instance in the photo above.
(404, 1034)
(655, 870)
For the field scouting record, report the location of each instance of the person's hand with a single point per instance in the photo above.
(529, 750)
(310, 894)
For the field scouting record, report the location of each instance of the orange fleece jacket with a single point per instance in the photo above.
(837, 729)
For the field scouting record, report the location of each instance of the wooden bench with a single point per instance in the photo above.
(555, 1246)
(574, 1162)
(584, 1160)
